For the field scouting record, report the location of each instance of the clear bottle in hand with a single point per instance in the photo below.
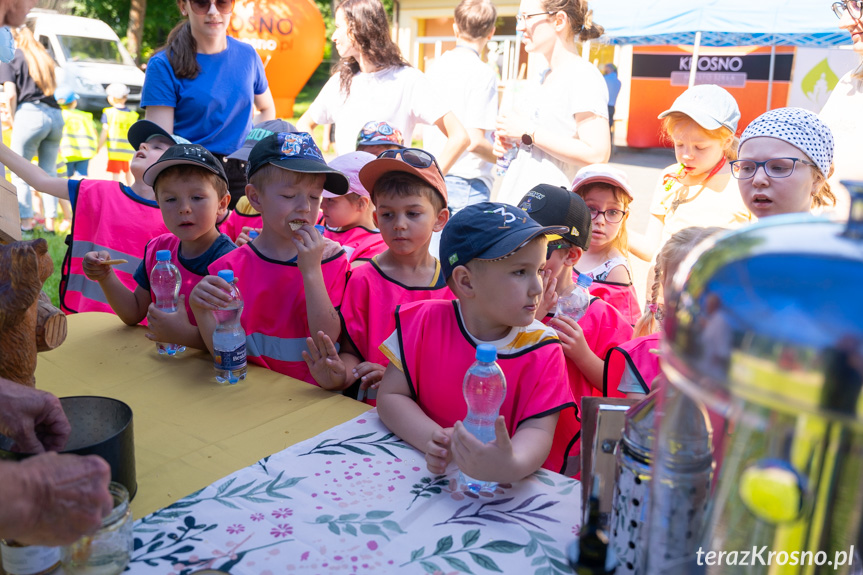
(575, 303)
(229, 338)
(165, 283)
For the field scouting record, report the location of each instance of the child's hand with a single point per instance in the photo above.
(324, 362)
(93, 266)
(484, 461)
(438, 453)
(165, 326)
(500, 146)
(549, 295)
(310, 247)
(244, 238)
(211, 293)
(571, 337)
(512, 125)
(369, 374)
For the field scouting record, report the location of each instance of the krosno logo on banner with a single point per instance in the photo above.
(713, 63)
(289, 36)
(719, 70)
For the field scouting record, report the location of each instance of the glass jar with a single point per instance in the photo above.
(21, 559)
(108, 551)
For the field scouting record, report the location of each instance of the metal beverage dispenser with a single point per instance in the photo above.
(759, 453)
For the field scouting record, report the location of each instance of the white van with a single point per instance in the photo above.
(89, 56)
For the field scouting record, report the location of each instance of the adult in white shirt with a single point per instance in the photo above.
(374, 82)
(468, 86)
(843, 112)
(559, 122)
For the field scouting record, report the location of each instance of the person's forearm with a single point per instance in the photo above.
(591, 367)
(189, 336)
(206, 326)
(640, 246)
(122, 300)
(530, 449)
(405, 418)
(321, 314)
(35, 176)
(483, 148)
(457, 141)
(579, 151)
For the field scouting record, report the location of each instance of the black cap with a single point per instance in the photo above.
(296, 151)
(185, 154)
(556, 206)
(487, 231)
(142, 130)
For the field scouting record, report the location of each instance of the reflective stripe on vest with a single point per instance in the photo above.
(79, 136)
(119, 122)
(278, 348)
(80, 249)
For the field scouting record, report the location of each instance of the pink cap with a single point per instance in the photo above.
(602, 173)
(350, 165)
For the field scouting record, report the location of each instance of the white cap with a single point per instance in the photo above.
(605, 173)
(117, 90)
(709, 105)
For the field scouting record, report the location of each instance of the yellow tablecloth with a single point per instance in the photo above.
(189, 430)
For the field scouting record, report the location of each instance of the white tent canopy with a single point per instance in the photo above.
(720, 22)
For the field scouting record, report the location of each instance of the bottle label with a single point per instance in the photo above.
(231, 360)
(29, 560)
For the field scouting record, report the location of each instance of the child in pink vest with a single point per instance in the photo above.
(631, 367)
(349, 219)
(410, 196)
(491, 257)
(291, 277)
(192, 191)
(107, 216)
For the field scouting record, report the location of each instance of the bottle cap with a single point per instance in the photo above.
(584, 280)
(321, 229)
(163, 256)
(486, 352)
(227, 275)
(253, 234)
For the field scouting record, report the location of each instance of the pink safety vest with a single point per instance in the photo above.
(621, 296)
(436, 353)
(274, 315)
(637, 355)
(236, 221)
(190, 280)
(361, 244)
(106, 218)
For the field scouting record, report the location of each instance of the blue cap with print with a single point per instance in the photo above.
(295, 151)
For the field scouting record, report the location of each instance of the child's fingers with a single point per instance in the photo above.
(327, 344)
(313, 352)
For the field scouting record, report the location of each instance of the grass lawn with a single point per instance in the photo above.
(57, 249)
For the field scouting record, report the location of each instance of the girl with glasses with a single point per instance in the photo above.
(559, 122)
(843, 112)
(698, 190)
(205, 86)
(374, 82)
(784, 160)
(606, 192)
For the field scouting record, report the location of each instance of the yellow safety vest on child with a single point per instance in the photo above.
(79, 136)
(119, 122)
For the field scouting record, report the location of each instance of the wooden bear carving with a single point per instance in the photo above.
(28, 321)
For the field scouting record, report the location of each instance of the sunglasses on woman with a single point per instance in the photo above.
(412, 157)
(202, 7)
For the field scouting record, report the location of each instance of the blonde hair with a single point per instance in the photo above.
(580, 18)
(621, 241)
(668, 260)
(475, 18)
(676, 120)
(823, 195)
(40, 64)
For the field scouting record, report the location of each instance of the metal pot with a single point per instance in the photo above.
(764, 342)
(100, 426)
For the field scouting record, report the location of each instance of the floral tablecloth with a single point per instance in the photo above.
(356, 499)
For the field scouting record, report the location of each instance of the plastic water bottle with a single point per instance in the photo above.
(504, 161)
(165, 283)
(575, 303)
(484, 391)
(229, 338)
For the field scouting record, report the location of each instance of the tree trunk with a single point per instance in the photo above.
(135, 32)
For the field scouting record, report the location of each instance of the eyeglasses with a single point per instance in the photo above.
(854, 8)
(554, 247)
(611, 216)
(522, 18)
(774, 167)
(202, 7)
(412, 157)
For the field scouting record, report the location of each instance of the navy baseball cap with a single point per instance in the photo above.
(143, 130)
(556, 206)
(185, 154)
(295, 151)
(258, 133)
(487, 231)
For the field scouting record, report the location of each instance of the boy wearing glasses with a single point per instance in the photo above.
(291, 277)
(492, 256)
(586, 341)
(410, 198)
